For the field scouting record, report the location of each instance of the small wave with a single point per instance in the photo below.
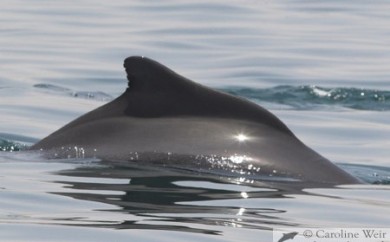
(14, 142)
(99, 96)
(369, 173)
(309, 97)
(10, 146)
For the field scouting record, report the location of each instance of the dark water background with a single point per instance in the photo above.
(321, 66)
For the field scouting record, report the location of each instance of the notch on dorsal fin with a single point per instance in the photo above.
(145, 74)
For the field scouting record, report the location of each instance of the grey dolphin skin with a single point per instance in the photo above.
(164, 117)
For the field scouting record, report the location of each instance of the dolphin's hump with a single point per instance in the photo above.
(156, 91)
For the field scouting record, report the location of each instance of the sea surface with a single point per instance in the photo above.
(321, 66)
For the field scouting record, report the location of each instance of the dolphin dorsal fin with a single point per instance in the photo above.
(156, 91)
(144, 74)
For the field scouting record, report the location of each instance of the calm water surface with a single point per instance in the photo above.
(322, 67)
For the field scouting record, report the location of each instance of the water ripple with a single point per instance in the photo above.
(310, 97)
(95, 95)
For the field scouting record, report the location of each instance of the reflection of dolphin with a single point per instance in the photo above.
(288, 236)
(164, 117)
(162, 198)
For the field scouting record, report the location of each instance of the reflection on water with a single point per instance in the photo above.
(108, 196)
(161, 196)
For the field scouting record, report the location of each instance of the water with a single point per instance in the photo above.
(322, 67)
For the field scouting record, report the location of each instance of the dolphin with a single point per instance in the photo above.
(163, 117)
